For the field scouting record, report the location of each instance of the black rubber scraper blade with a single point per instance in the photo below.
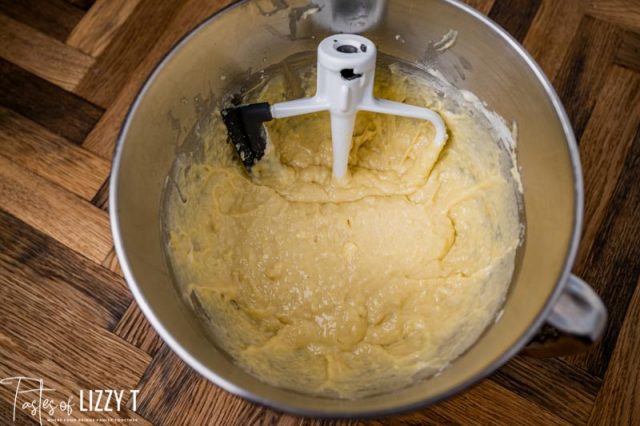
(246, 132)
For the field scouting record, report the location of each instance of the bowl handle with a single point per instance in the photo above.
(576, 322)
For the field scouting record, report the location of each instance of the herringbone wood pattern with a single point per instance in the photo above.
(69, 70)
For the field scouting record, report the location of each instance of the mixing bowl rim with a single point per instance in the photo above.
(229, 386)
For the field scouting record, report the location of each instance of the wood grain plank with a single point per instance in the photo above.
(46, 154)
(55, 18)
(56, 212)
(618, 402)
(103, 137)
(111, 262)
(135, 329)
(484, 404)
(170, 390)
(81, 4)
(581, 75)
(98, 27)
(606, 149)
(611, 265)
(515, 16)
(126, 50)
(101, 197)
(173, 394)
(92, 293)
(414, 419)
(71, 303)
(566, 391)
(628, 54)
(61, 112)
(603, 149)
(274, 418)
(42, 55)
(551, 32)
(286, 420)
(622, 12)
(483, 6)
(21, 418)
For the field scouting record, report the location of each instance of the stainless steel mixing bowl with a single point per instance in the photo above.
(484, 59)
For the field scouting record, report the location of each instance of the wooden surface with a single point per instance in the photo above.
(69, 70)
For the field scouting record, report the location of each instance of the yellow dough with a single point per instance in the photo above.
(349, 288)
